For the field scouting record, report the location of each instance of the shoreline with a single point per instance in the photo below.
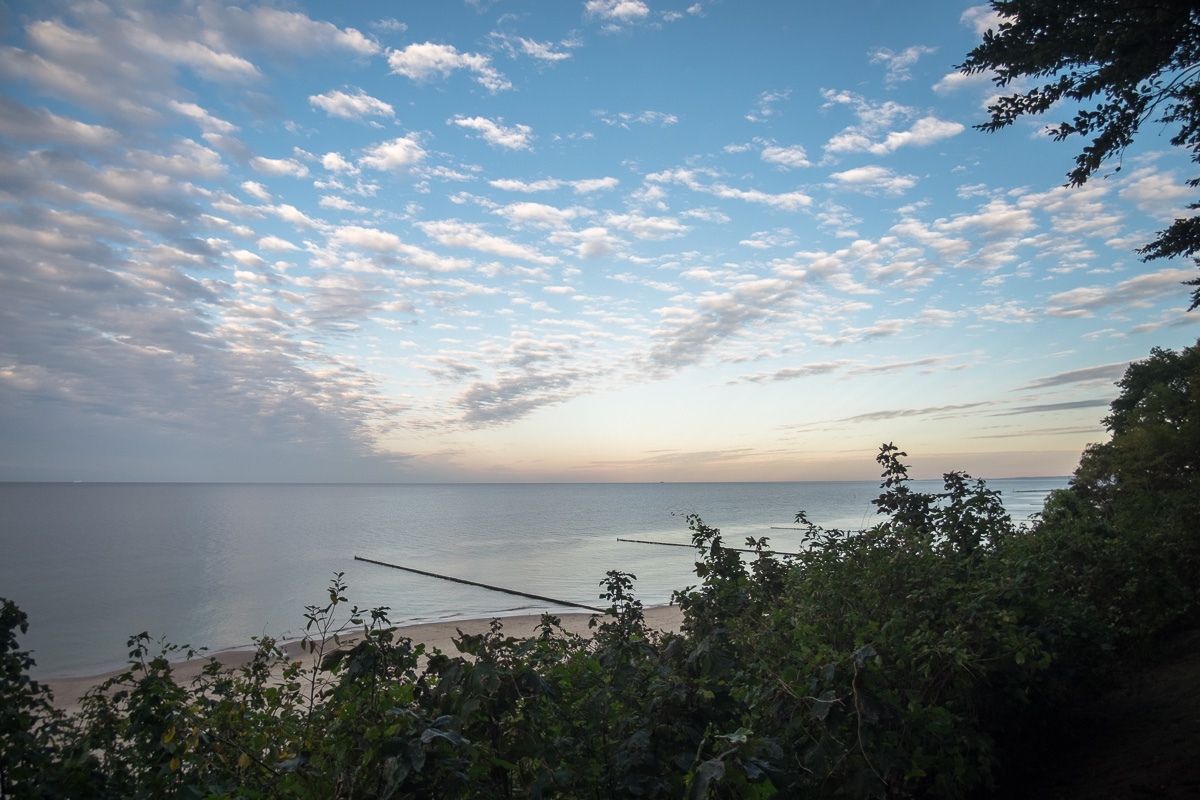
(68, 691)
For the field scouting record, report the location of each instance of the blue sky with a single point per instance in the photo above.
(604, 240)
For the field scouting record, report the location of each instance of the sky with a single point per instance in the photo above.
(612, 240)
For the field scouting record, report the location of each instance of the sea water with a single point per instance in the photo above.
(215, 565)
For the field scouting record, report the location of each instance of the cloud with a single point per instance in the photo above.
(514, 185)
(689, 332)
(279, 166)
(624, 118)
(589, 185)
(542, 51)
(923, 132)
(511, 397)
(981, 19)
(495, 134)
(1050, 407)
(1103, 373)
(275, 244)
(342, 204)
(538, 215)
(957, 81)
(257, 191)
(1156, 194)
(649, 228)
(618, 12)
(593, 242)
(402, 153)
(41, 125)
(1137, 292)
(202, 117)
(289, 31)
(351, 106)
(455, 233)
(386, 243)
(875, 179)
(423, 62)
(764, 108)
(899, 64)
(584, 186)
(334, 162)
(787, 157)
(785, 201)
(793, 373)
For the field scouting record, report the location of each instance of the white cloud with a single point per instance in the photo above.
(623, 119)
(334, 162)
(275, 244)
(291, 31)
(401, 153)
(788, 157)
(594, 242)
(538, 214)
(1157, 194)
(875, 178)
(617, 11)
(1137, 292)
(924, 131)
(342, 204)
(980, 19)
(899, 64)
(371, 239)
(955, 81)
(455, 233)
(495, 134)
(785, 201)
(765, 107)
(543, 51)
(652, 228)
(514, 185)
(289, 213)
(42, 125)
(257, 191)
(279, 166)
(351, 106)
(589, 185)
(202, 117)
(423, 62)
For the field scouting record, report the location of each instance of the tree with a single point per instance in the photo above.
(1149, 473)
(1136, 62)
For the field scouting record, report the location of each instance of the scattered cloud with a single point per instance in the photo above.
(1136, 292)
(875, 179)
(401, 153)
(517, 137)
(279, 166)
(625, 118)
(789, 157)
(899, 65)
(764, 107)
(617, 12)
(426, 61)
(351, 106)
(1101, 374)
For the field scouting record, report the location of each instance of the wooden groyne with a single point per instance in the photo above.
(553, 600)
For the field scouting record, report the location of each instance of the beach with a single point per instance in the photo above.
(68, 691)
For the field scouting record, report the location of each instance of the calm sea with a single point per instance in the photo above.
(216, 564)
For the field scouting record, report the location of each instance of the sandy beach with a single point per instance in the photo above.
(440, 635)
